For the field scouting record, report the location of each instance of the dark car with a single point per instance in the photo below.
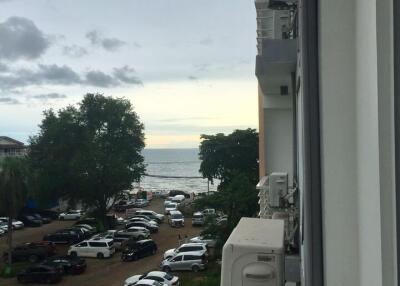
(173, 193)
(123, 205)
(150, 227)
(64, 237)
(32, 252)
(48, 213)
(44, 219)
(138, 249)
(40, 274)
(68, 264)
(30, 220)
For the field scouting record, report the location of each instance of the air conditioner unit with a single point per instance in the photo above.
(253, 255)
(278, 188)
(282, 4)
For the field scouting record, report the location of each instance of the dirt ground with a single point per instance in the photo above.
(107, 272)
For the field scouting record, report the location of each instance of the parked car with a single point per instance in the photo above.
(145, 217)
(123, 205)
(223, 220)
(48, 213)
(170, 207)
(151, 214)
(100, 248)
(44, 219)
(70, 215)
(16, 224)
(31, 252)
(198, 219)
(68, 264)
(30, 220)
(139, 249)
(66, 236)
(134, 232)
(209, 212)
(40, 274)
(135, 218)
(178, 199)
(186, 247)
(86, 226)
(159, 276)
(141, 203)
(152, 228)
(148, 282)
(194, 261)
(173, 193)
(86, 233)
(209, 239)
(4, 227)
(176, 219)
(2, 232)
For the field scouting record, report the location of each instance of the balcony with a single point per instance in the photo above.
(278, 61)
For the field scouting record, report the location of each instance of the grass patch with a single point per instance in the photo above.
(209, 277)
(17, 267)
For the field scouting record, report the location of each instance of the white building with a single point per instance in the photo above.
(330, 118)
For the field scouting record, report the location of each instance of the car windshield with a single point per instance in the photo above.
(30, 217)
(171, 205)
(198, 216)
(176, 216)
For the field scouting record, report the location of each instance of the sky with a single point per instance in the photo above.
(187, 66)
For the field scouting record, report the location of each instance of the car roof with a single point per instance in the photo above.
(156, 273)
(146, 281)
(99, 240)
(193, 244)
(175, 212)
(199, 252)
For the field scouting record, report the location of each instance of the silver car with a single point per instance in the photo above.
(193, 261)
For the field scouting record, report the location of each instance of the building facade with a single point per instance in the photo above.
(11, 148)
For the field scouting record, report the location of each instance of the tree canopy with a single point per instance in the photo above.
(89, 153)
(223, 156)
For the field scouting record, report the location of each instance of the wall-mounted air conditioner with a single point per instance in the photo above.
(282, 4)
(278, 188)
(254, 254)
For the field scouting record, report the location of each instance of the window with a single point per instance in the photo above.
(191, 257)
(82, 244)
(176, 259)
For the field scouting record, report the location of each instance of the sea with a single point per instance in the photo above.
(174, 169)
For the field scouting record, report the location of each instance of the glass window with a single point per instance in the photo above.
(82, 244)
(178, 258)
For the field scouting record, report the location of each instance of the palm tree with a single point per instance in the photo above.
(13, 192)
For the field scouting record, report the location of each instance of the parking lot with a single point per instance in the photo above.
(107, 272)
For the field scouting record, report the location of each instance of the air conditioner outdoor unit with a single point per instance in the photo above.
(282, 4)
(278, 188)
(254, 254)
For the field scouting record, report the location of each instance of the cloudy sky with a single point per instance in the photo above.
(187, 66)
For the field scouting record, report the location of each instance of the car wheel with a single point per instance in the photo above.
(100, 255)
(166, 269)
(135, 257)
(73, 254)
(33, 258)
(195, 268)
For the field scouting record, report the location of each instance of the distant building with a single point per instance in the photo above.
(11, 148)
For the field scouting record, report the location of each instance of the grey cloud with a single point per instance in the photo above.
(109, 44)
(191, 77)
(127, 75)
(137, 45)
(99, 78)
(206, 41)
(47, 96)
(74, 51)
(3, 67)
(58, 74)
(21, 39)
(8, 100)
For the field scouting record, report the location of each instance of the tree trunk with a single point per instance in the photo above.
(9, 240)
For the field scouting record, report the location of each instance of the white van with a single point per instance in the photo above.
(176, 219)
(100, 248)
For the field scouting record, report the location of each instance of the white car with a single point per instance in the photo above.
(97, 247)
(186, 247)
(170, 207)
(208, 239)
(150, 221)
(176, 219)
(148, 282)
(178, 199)
(138, 229)
(16, 224)
(159, 276)
(70, 215)
(2, 232)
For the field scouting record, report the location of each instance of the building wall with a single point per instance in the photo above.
(357, 142)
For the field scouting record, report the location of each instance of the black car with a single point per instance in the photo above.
(48, 213)
(30, 220)
(31, 252)
(138, 249)
(68, 264)
(45, 220)
(150, 227)
(173, 193)
(64, 237)
(123, 205)
(40, 274)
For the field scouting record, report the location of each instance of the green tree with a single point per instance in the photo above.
(89, 153)
(233, 160)
(13, 192)
(223, 156)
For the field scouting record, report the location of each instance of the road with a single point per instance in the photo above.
(107, 272)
